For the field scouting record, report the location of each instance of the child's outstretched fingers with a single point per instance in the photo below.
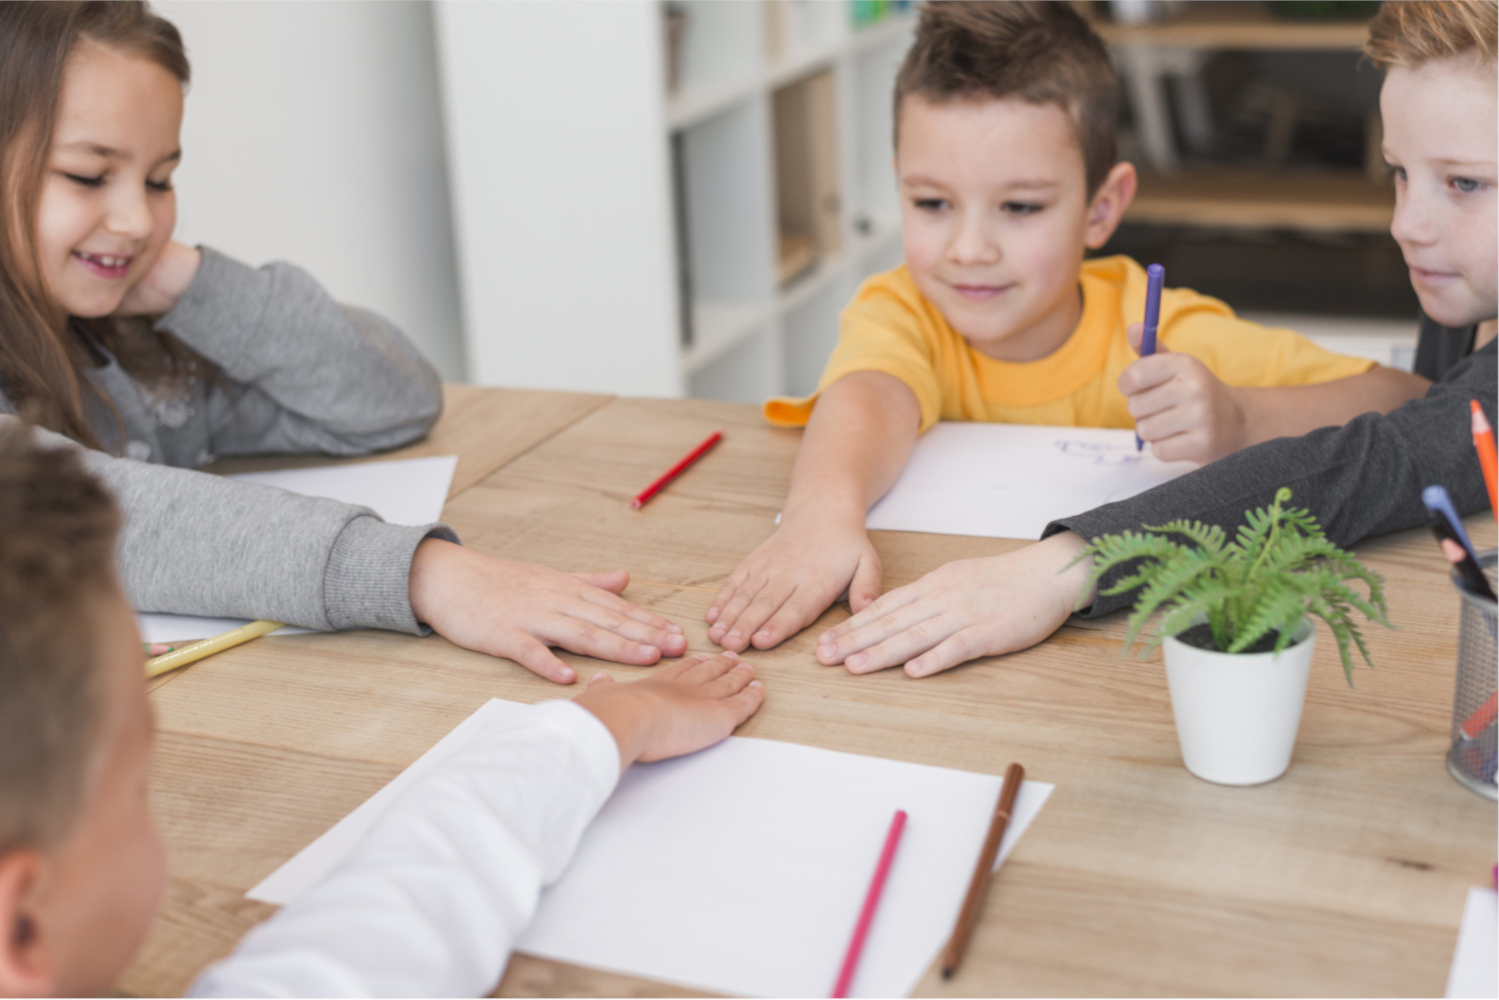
(733, 680)
(537, 658)
(747, 702)
(606, 595)
(709, 668)
(886, 616)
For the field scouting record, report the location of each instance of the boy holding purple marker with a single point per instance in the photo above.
(1007, 174)
(1155, 277)
(1360, 477)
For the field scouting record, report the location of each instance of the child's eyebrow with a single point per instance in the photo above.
(98, 149)
(110, 153)
(1031, 185)
(1026, 185)
(1451, 162)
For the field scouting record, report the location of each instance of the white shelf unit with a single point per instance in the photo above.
(596, 211)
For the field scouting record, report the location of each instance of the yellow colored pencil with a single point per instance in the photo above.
(158, 665)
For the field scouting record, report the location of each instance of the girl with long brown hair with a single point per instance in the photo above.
(155, 357)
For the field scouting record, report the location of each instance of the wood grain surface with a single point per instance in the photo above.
(485, 428)
(1345, 877)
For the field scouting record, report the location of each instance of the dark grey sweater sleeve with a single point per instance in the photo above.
(298, 372)
(1364, 478)
(199, 544)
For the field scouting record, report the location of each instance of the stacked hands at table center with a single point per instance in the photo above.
(966, 609)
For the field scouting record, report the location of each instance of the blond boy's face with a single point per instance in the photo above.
(1441, 127)
(101, 887)
(995, 218)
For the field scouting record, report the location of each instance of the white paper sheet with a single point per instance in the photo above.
(404, 491)
(1011, 480)
(1475, 964)
(741, 869)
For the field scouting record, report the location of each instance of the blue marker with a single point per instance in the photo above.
(1155, 276)
(1438, 502)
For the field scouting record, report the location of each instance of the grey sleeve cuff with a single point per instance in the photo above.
(366, 581)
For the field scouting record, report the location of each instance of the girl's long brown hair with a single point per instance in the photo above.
(42, 350)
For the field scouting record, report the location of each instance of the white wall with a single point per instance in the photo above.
(561, 190)
(313, 134)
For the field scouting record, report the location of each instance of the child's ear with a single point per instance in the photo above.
(1109, 202)
(25, 967)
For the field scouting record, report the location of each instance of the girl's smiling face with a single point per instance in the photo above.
(107, 206)
(1440, 133)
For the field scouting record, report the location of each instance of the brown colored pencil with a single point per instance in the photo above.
(974, 901)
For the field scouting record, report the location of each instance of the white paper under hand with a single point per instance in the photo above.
(1011, 480)
(741, 869)
(1475, 963)
(404, 491)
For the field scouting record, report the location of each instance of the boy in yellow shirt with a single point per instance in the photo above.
(1005, 160)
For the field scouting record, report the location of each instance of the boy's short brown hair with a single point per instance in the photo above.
(1411, 32)
(57, 536)
(1044, 53)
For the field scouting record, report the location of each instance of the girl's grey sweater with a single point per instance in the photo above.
(298, 373)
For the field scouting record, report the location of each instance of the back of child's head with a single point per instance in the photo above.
(1040, 52)
(39, 358)
(1410, 33)
(57, 537)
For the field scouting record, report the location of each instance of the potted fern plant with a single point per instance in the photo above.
(1234, 621)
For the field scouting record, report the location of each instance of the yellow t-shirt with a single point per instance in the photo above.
(890, 327)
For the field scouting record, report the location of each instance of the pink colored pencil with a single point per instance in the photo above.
(871, 903)
(676, 470)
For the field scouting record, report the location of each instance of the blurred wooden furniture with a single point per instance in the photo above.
(1148, 53)
(1345, 877)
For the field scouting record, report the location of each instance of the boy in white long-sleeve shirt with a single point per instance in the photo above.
(428, 904)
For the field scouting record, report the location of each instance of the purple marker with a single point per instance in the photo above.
(1155, 276)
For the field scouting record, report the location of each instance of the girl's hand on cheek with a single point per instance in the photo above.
(164, 283)
(518, 610)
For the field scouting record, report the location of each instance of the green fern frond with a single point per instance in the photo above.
(1279, 568)
(1277, 608)
(1210, 538)
(1166, 586)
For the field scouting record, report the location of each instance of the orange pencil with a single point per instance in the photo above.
(1483, 441)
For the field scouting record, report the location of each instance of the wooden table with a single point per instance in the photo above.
(1347, 876)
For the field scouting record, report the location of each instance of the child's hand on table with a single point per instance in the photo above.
(857, 440)
(678, 709)
(517, 610)
(795, 575)
(963, 610)
(1181, 409)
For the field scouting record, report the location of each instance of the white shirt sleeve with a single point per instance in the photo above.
(434, 897)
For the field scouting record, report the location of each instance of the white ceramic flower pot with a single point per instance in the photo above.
(1237, 713)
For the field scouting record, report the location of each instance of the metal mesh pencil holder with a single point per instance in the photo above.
(1475, 733)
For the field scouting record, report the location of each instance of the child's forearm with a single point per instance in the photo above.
(860, 435)
(1290, 411)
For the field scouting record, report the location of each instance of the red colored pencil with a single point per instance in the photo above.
(1483, 441)
(676, 470)
(871, 903)
(1481, 719)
